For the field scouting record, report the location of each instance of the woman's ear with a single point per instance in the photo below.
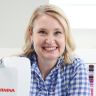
(30, 30)
(30, 33)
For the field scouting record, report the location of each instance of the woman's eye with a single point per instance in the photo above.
(42, 32)
(58, 32)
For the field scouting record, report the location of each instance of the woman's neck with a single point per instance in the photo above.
(46, 66)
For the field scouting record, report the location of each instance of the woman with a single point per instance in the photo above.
(55, 71)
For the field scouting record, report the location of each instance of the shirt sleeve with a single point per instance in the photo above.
(79, 80)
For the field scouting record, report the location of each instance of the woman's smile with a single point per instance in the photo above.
(50, 48)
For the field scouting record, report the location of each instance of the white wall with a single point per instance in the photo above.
(14, 17)
(74, 2)
(84, 38)
(81, 13)
(85, 44)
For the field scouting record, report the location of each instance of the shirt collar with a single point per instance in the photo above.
(34, 65)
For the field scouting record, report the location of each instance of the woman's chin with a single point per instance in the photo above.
(51, 56)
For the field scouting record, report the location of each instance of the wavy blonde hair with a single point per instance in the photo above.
(59, 15)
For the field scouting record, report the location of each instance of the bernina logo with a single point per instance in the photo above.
(7, 90)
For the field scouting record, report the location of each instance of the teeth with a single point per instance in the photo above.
(50, 49)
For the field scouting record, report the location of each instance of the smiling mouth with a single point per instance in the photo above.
(50, 49)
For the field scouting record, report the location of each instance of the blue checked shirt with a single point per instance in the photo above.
(63, 80)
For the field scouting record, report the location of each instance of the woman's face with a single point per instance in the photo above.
(48, 38)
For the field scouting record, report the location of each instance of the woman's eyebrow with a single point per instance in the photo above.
(58, 29)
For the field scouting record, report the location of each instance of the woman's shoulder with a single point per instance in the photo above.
(77, 61)
(77, 64)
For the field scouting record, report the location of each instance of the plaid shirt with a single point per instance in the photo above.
(63, 80)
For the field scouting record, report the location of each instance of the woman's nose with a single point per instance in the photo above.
(50, 40)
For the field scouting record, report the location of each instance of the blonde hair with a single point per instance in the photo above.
(58, 14)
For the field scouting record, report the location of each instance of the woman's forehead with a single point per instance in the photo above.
(47, 21)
